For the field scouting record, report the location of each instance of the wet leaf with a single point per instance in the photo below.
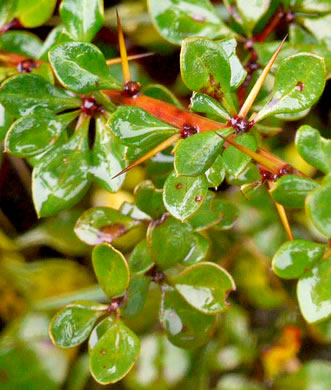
(6, 120)
(136, 296)
(314, 293)
(313, 148)
(55, 37)
(103, 224)
(149, 199)
(107, 158)
(114, 349)
(291, 190)
(236, 161)
(184, 195)
(198, 250)
(62, 178)
(216, 173)
(185, 327)
(140, 260)
(205, 104)
(299, 82)
(169, 241)
(251, 11)
(136, 127)
(205, 286)
(28, 93)
(34, 14)
(81, 67)
(111, 269)
(21, 42)
(72, 325)
(176, 21)
(82, 18)
(318, 208)
(294, 258)
(205, 68)
(36, 133)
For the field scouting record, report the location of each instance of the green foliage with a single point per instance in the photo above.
(153, 252)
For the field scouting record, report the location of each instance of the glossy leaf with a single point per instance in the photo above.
(28, 93)
(313, 148)
(21, 42)
(179, 20)
(291, 190)
(81, 67)
(299, 82)
(251, 11)
(34, 14)
(107, 158)
(314, 6)
(6, 120)
(55, 37)
(184, 195)
(149, 199)
(314, 293)
(230, 214)
(216, 173)
(72, 325)
(205, 68)
(169, 241)
(185, 327)
(82, 18)
(111, 270)
(205, 104)
(205, 286)
(195, 154)
(198, 250)
(36, 133)
(7, 11)
(103, 224)
(114, 349)
(135, 127)
(294, 258)
(136, 296)
(62, 178)
(236, 161)
(318, 208)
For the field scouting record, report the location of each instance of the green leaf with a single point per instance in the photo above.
(55, 37)
(205, 104)
(107, 158)
(6, 119)
(216, 173)
(136, 295)
(236, 161)
(160, 92)
(185, 327)
(45, 71)
(140, 260)
(149, 199)
(320, 28)
(291, 190)
(114, 349)
(176, 21)
(28, 93)
(7, 11)
(169, 241)
(21, 42)
(294, 258)
(82, 18)
(314, 6)
(251, 11)
(230, 214)
(136, 127)
(249, 176)
(314, 293)
(205, 286)
(33, 13)
(36, 133)
(184, 195)
(103, 224)
(313, 148)
(198, 250)
(318, 209)
(81, 67)
(72, 325)
(205, 68)
(62, 178)
(299, 82)
(195, 154)
(111, 270)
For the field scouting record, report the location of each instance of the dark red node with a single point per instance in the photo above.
(26, 66)
(131, 88)
(90, 107)
(188, 130)
(241, 125)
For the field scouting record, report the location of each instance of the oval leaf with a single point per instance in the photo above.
(140, 260)
(318, 209)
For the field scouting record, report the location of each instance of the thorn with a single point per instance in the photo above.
(159, 148)
(123, 52)
(255, 156)
(259, 82)
(283, 217)
(118, 60)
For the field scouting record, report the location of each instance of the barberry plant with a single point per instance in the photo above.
(222, 219)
